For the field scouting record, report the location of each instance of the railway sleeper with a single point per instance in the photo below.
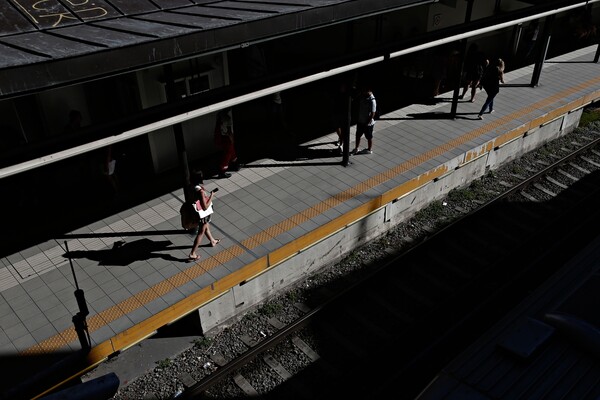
(544, 189)
(581, 169)
(568, 175)
(245, 386)
(557, 183)
(590, 161)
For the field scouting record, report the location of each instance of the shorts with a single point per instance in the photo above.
(205, 220)
(364, 129)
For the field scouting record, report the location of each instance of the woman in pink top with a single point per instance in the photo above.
(203, 203)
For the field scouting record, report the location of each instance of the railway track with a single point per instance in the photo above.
(391, 332)
(388, 329)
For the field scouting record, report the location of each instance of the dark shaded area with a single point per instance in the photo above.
(126, 253)
(101, 388)
(183, 327)
(24, 375)
(390, 336)
(43, 204)
(306, 153)
(429, 115)
(47, 202)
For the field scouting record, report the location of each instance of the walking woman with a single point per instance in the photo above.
(475, 65)
(225, 141)
(204, 203)
(492, 77)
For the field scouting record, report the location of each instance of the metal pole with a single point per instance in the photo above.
(518, 33)
(463, 45)
(454, 107)
(179, 140)
(348, 103)
(72, 268)
(79, 320)
(346, 127)
(541, 56)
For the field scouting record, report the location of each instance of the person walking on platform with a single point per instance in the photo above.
(365, 121)
(203, 203)
(475, 64)
(492, 77)
(224, 140)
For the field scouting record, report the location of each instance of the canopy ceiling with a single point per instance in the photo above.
(54, 42)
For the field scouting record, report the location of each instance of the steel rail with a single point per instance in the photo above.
(270, 342)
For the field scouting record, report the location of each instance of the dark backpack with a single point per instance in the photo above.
(490, 77)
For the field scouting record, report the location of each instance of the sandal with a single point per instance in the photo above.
(191, 257)
(216, 242)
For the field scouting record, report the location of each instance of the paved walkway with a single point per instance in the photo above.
(133, 266)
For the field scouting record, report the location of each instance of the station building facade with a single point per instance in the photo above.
(149, 77)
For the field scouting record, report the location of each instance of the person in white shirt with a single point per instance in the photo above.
(365, 122)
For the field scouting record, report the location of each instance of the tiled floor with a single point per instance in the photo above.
(257, 210)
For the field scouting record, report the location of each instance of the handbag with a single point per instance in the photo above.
(189, 216)
(203, 213)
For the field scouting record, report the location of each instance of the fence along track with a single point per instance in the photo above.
(392, 332)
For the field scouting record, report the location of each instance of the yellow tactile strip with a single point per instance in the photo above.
(191, 303)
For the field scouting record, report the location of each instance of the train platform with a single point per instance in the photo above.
(133, 267)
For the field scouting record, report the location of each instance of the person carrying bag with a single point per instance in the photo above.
(204, 207)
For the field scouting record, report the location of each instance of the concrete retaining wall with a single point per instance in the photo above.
(460, 171)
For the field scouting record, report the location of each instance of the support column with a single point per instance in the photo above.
(542, 52)
(348, 103)
(179, 140)
(463, 49)
(346, 127)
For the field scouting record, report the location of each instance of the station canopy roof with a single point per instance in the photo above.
(49, 43)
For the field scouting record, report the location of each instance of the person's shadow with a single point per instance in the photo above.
(123, 253)
(305, 152)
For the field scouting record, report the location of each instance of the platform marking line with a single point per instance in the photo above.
(57, 341)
